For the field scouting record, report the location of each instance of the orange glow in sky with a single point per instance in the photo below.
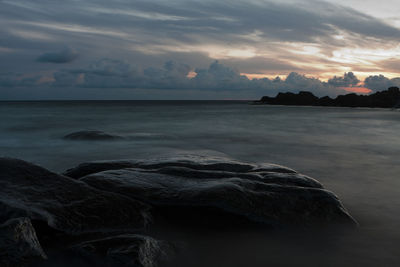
(191, 74)
(357, 90)
(252, 76)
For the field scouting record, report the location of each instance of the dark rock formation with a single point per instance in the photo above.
(126, 250)
(265, 194)
(384, 99)
(97, 216)
(18, 243)
(187, 161)
(302, 98)
(65, 204)
(92, 136)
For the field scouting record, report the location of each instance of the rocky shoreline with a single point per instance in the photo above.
(108, 213)
(384, 99)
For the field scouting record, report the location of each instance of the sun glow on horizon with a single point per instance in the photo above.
(357, 90)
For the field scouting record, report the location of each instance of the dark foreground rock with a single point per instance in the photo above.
(384, 99)
(65, 204)
(92, 136)
(267, 194)
(100, 214)
(126, 250)
(206, 163)
(19, 243)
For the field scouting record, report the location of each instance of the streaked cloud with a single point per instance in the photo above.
(257, 38)
(110, 73)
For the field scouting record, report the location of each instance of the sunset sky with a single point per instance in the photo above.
(124, 49)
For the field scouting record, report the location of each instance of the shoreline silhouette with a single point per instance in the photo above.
(384, 99)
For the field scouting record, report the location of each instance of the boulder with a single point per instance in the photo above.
(19, 243)
(65, 204)
(98, 215)
(196, 162)
(219, 189)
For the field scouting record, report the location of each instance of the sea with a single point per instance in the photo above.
(354, 152)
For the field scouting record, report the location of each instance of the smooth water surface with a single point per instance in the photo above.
(353, 152)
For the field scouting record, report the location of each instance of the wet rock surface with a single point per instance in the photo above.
(114, 213)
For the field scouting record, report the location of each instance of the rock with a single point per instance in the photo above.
(126, 250)
(65, 204)
(189, 161)
(384, 99)
(92, 136)
(93, 217)
(98, 166)
(219, 189)
(18, 243)
(301, 99)
(326, 101)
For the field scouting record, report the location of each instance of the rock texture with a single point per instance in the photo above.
(65, 204)
(267, 194)
(98, 213)
(18, 243)
(384, 99)
(92, 136)
(127, 250)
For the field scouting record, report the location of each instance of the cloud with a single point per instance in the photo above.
(254, 37)
(380, 82)
(177, 78)
(243, 32)
(296, 82)
(18, 80)
(64, 56)
(108, 73)
(348, 80)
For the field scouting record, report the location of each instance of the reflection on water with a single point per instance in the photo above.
(353, 152)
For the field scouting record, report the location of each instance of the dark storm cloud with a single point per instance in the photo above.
(64, 56)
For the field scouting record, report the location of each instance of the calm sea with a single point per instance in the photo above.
(353, 152)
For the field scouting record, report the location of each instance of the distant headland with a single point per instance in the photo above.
(384, 99)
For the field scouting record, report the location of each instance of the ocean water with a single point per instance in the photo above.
(353, 152)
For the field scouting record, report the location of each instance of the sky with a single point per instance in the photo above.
(127, 49)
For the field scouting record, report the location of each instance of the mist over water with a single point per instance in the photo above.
(353, 152)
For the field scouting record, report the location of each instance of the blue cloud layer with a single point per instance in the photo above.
(149, 33)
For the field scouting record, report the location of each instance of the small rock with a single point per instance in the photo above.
(92, 136)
